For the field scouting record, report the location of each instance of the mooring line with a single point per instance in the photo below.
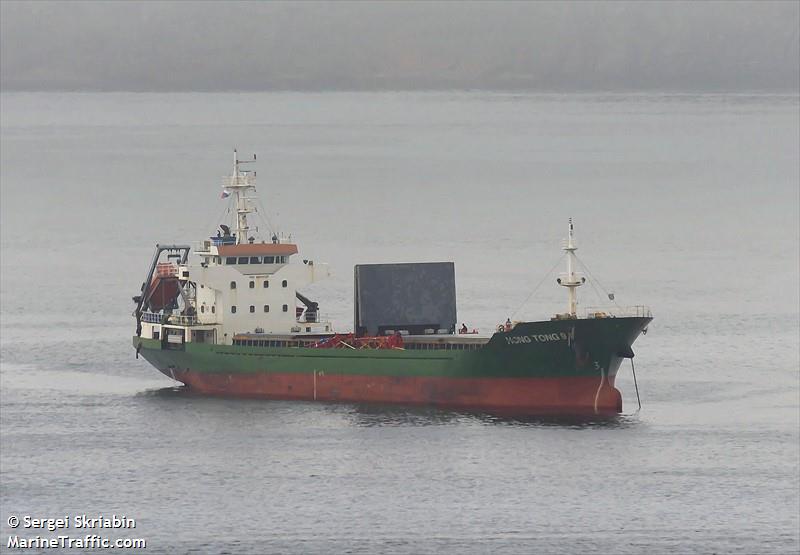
(597, 395)
(636, 385)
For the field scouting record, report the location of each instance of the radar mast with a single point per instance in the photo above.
(240, 183)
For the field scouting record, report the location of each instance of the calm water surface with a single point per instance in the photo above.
(686, 203)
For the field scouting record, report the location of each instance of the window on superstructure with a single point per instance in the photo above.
(233, 285)
(230, 260)
(266, 284)
(266, 308)
(243, 260)
(252, 308)
(284, 283)
(269, 260)
(255, 260)
(286, 308)
(213, 309)
(252, 285)
(202, 308)
(233, 309)
(218, 259)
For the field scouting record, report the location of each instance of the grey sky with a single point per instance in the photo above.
(437, 45)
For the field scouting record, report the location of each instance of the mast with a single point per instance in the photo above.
(571, 280)
(240, 183)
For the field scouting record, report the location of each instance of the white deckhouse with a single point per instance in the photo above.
(236, 283)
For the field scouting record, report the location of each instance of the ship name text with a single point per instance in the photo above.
(536, 338)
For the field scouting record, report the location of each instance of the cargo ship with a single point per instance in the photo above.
(228, 317)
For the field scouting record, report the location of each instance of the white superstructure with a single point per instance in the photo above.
(234, 283)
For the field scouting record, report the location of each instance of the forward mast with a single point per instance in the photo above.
(571, 280)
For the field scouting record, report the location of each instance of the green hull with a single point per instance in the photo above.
(554, 356)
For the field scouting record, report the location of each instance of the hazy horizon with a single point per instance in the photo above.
(517, 46)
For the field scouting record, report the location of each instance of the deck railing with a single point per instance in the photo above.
(175, 319)
(635, 311)
(180, 320)
(151, 317)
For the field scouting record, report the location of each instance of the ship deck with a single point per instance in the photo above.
(410, 342)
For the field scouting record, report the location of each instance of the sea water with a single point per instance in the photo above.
(686, 203)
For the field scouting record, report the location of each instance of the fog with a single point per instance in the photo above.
(703, 46)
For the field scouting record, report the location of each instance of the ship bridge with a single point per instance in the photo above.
(248, 258)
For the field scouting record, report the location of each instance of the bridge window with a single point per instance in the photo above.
(233, 309)
(233, 285)
(269, 260)
(286, 308)
(243, 260)
(266, 308)
(252, 285)
(252, 308)
(266, 284)
(255, 260)
(230, 260)
(284, 283)
(280, 260)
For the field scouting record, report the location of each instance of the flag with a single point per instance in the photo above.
(225, 194)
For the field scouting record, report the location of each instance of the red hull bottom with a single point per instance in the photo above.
(516, 395)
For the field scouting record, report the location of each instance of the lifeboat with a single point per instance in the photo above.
(164, 288)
